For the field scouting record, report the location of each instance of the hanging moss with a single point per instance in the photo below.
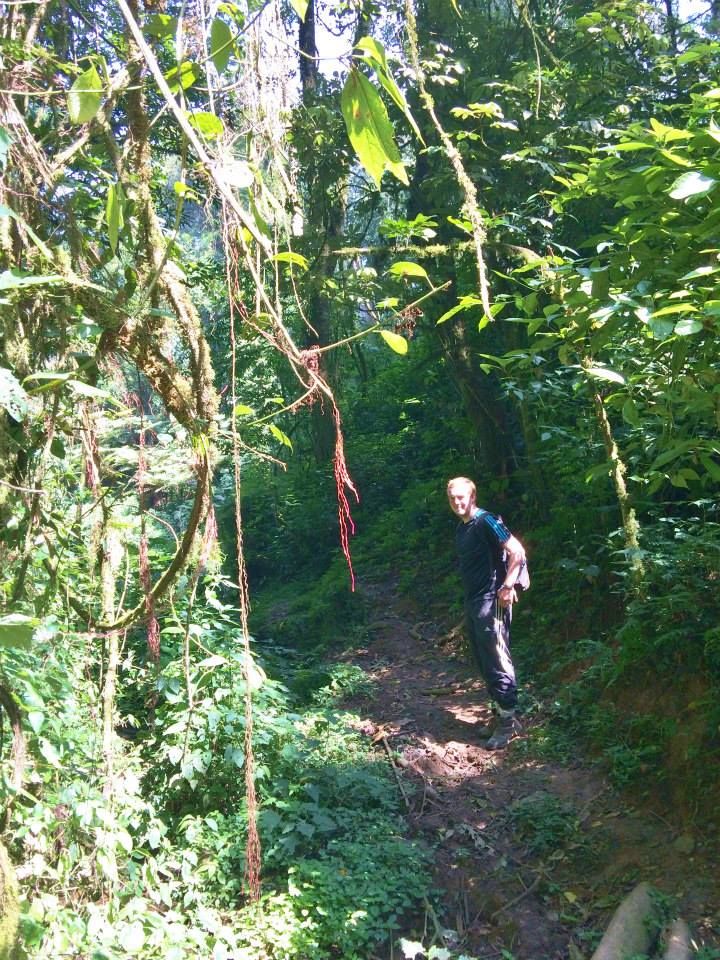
(9, 909)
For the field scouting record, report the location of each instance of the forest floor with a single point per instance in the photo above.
(531, 855)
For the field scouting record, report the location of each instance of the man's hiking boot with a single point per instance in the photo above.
(505, 730)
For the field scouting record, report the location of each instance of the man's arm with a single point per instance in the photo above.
(515, 558)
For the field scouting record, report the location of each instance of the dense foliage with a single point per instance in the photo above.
(250, 306)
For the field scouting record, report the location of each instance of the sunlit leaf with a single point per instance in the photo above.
(114, 214)
(161, 25)
(369, 128)
(465, 303)
(183, 77)
(243, 410)
(209, 125)
(406, 268)
(376, 59)
(279, 435)
(84, 96)
(675, 308)
(394, 341)
(701, 272)
(603, 373)
(686, 328)
(693, 184)
(222, 45)
(300, 7)
(289, 256)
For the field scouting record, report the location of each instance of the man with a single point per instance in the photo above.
(479, 538)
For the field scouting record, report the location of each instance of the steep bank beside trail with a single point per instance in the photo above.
(531, 854)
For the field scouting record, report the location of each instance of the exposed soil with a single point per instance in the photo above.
(531, 856)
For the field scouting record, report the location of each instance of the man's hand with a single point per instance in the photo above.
(507, 596)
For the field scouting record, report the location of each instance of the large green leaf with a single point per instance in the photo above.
(209, 125)
(85, 96)
(16, 630)
(377, 61)
(289, 256)
(222, 44)
(406, 268)
(114, 213)
(280, 435)
(394, 341)
(693, 184)
(183, 77)
(161, 25)
(369, 128)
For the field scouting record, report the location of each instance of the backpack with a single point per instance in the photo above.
(523, 578)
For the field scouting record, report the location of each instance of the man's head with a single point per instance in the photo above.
(461, 496)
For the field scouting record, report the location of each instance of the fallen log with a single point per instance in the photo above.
(629, 932)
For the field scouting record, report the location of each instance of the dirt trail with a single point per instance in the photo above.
(531, 856)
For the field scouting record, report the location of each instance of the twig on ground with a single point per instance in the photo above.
(511, 903)
(395, 771)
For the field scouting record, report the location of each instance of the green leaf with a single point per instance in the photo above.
(114, 214)
(14, 279)
(300, 7)
(465, 303)
(686, 328)
(603, 373)
(394, 341)
(693, 184)
(376, 59)
(222, 44)
(209, 125)
(16, 630)
(161, 25)
(13, 397)
(675, 308)
(49, 751)
(406, 268)
(279, 435)
(57, 448)
(36, 720)
(288, 256)
(660, 327)
(369, 128)
(183, 77)
(243, 410)
(700, 272)
(84, 96)
(630, 413)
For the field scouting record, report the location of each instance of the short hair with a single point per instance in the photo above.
(465, 481)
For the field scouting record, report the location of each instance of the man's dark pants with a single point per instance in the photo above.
(488, 626)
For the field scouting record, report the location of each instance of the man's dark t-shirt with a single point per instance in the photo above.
(478, 542)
